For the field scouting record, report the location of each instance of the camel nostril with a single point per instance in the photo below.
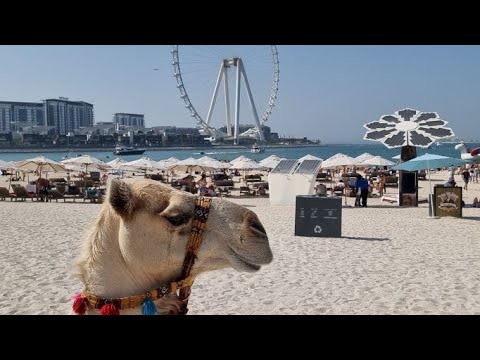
(257, 227)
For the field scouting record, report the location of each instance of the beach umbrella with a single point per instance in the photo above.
(144, 164)
(378, 161)
(87, 161)
(116, 162)
(216, 164)
(429, 161)
(241, 158)
(270, 162)
(205, 159)
(309, 157)
(40, 163)
(339, 161)
(189, 165)
(363, 157)
(246, 165)
(7, 166)
(172, 160)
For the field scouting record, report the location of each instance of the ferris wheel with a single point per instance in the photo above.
(200, 69)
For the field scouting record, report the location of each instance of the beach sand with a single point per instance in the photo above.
(390, 260)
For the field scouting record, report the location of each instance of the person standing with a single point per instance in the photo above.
(466, 177)
(362, 186)
(475, 174)
(381, 184)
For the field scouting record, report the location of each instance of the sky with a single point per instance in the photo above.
(325, 92)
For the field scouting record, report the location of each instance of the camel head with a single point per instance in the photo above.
(139, 239)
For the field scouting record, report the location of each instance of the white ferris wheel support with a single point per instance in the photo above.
(223, 75)
(241, 74)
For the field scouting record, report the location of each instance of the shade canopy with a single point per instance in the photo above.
(429, 161)
(408, 127)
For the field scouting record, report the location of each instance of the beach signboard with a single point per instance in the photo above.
(448, 201)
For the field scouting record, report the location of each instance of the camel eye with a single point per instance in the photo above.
(178, 219)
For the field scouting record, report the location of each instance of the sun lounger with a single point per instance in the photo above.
(393, 198)
(22, 193)
(4, 193)
(55, 194)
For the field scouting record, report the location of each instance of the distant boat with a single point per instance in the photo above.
(128, 150)
(256, 149)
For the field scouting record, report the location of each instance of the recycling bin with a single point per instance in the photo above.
(318, 216)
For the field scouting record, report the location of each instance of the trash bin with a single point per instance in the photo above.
(318, 216)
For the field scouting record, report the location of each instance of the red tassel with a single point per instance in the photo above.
(80, 305)
(109, 309)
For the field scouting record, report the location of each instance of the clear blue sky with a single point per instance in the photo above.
(325, 92)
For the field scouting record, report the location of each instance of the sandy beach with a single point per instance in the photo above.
(390, 260)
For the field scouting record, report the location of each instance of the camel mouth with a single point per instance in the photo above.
(241, 263)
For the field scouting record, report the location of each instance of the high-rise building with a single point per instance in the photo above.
(16, 115)
(123, 119)
(66, 116)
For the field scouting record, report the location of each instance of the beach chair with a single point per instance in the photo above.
(55, 194)
(245, 190)
(4, 193)
(22, 193)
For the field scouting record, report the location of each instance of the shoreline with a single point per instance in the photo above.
(173, 148)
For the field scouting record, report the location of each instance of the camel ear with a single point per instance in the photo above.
(121, 197)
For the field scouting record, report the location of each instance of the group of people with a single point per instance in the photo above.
(203, 188)
(469, 174)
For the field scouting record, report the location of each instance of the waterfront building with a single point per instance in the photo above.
(66, 116)
(14, 115)
(124, 119)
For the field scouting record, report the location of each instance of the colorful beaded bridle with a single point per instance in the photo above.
(112, 306)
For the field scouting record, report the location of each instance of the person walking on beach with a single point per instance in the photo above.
(466, 178)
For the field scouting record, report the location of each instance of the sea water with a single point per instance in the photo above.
(323, 152)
